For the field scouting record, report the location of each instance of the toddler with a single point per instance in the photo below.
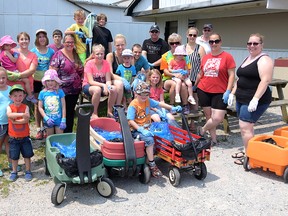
(8, 59)
(178, 66)
(52, 104)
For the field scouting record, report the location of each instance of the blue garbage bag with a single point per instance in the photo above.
(69, 151)
(162, 130)
(109, 135)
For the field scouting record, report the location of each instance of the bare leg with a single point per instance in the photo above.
(178, 85)
(27, 164)
(247, 132)
(50, 131)
(189, 87)
(150, 152)
(27, 86)
(37, 115)
(5, 141)
(184, 94)
(119, 89)
(170, 85)
(95, 91)
(58, 130)
(111, 101)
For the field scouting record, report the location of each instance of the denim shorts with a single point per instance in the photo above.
(3, 130)
(20, 145)
(252, 117)
(148, 140)
(86, 90)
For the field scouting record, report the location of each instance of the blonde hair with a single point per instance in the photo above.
(192, 28)
(79, 13)
(174, 37)
(261, 37)
(94, 48)
(155, 71)
(119, 36)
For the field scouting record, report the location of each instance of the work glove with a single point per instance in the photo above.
(176, 109)
(230, 99)
(161, 113)
(184, 72)
(16, 54)
(80, 34)
(253, 104)
(88, 40)
(144, 132)
(63, 124)
(194, 88)
(150, 64)
(49, 121)
(226, 96)
(12, 76)
(126, 84)
(176, 71)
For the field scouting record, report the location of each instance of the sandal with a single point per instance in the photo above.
(155, 171)
(239, 154)
(239, 161)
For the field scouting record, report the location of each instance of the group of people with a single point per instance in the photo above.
(198, 73)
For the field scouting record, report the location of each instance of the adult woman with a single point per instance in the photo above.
(216, 67)
(44, 55)
(97, 80)
(252, 92)
(70, 70)
(27, 61)
(174, 40)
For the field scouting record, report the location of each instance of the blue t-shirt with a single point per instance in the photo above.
(52, 104)
(141, 63)
(4, 102)
(126, 72)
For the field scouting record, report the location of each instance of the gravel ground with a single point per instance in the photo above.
(227, 189)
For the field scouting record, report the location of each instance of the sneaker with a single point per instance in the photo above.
(18, 167)
(191, 100)
(39, 135)
(28, 176)
(32, 99)
(177, 98)
(155, 171)
(1, 173)
(13, 176)
(186, 109)
(44, 132)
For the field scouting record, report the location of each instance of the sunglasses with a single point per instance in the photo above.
(154, 32)
(206, 30)
(214, 41)
(254, 44)
(174, 43)
(192, 35)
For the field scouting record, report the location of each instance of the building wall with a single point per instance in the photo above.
(29, 15)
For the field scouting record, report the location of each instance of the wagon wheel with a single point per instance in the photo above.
(46, 171)
(145, 174)
(285, 176)
(105, 187)
(58, 194)
(246, 164)
(202, 172)
(174, 176)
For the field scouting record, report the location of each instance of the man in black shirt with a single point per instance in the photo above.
(154, 47)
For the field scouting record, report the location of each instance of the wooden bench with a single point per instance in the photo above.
(232, 112)
(193, 115)
(83, 98)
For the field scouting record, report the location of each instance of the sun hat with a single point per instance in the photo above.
(154, 28)
(7, 39)
(16, 87)
(208, 26)
(127, 52)
(51, 74)
(142, 87)
(41, 31)
(180, 50)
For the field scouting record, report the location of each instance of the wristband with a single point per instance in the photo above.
(63, 120)
(46, 118)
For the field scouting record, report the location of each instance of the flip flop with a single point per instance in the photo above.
(239, 154)
(239, 161)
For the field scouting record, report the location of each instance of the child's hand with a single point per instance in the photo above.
(184, 72)
(26, 116)
(80, 34)
(49, 121)
(16, 54)
(126, 84)
(176, 109)
(88, 40)
(145, 132)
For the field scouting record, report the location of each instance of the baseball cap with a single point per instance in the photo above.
(154, 28)
(142, 87)
(208, 26)
(127, 52)
(16, 87)
(41, 31)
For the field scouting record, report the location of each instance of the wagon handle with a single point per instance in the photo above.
(85, 109)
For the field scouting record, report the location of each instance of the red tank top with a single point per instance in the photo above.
(18, 130)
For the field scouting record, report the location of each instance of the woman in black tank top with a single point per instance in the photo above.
(252, 91)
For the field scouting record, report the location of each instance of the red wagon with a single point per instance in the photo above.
(180, 160)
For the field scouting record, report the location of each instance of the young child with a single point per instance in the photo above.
(127, 72)
(178, 65)
(19, 132)
(157, 94)
(57, 38)
(5, 101)
(52, 104)
(139, 119)
(8, 59)
(81, 32)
